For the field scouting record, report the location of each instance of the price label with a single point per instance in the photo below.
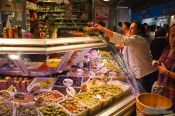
(68, 82)
(71, 91)
(91, 74)
(79, 72)
(112, 74)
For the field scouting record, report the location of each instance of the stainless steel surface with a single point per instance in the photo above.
(49, 45)
(120, 108)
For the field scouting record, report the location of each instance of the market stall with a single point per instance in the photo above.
(73, 76)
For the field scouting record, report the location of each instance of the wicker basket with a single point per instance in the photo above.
(151, 104)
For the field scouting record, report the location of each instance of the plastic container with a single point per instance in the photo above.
(50, 96)
(120, 85)
(6, 108)
(102, 95)
(23, 99)
(49, 110)
(80, 111)
(26, 110)
(85, 99)
(45, 83)
(151, 104)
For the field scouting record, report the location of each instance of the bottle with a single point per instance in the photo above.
(4, 32)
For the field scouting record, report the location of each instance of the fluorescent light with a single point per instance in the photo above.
(105, 0)
(13, 56)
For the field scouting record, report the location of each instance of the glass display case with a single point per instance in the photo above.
(74, 76)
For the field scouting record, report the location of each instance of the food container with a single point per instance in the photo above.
(23, 99)
(122, 88)
(52, 109)
(45, 83)
(113, 89)
(26, 110)
(102, 95)
(5, 95)
(6, 108)
(73, 107)
(93, 104)
(50, 96)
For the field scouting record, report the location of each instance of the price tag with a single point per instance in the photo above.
(68, 82)
(79, 72)
(71, 91)
(104, 70)
(112, 74)
(91, 74)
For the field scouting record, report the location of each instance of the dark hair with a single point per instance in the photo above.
(168, 34)
(102, 23)
(127, 24)
(34, 24)
(120, 24)
(161, 32)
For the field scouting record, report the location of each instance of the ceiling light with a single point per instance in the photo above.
(106, 0)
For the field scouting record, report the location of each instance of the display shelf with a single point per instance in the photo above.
(52, 10)
(49, 45)
(73, 51)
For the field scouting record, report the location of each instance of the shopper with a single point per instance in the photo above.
(167, 67)
(125, 28)
(136, 53)
(159, 43)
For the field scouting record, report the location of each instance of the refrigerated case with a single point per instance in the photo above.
(73, 57)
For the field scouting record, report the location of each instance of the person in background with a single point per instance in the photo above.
(119, 28)
(136, 53)
(167, 67)
(145, 30)
(125, 28)
(125, 31)
(152, 32)
(37, 30)
(158, 44)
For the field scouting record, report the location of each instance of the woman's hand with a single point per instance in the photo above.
(162, 69)
(99, 27)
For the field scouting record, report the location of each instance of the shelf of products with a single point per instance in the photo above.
(57, 13)
(84, 68)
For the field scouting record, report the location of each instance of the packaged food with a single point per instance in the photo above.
(6, 109)
(102, 95)
(26, 110)
(93, 104)
(114, 90)
(50, 96)
(45, 83)
(5, 95)
(73, 107)
(23, 98)
(52, 110)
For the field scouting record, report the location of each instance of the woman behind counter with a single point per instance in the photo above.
(167, 67)
(37, 30)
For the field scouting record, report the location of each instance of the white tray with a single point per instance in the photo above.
(39, 79)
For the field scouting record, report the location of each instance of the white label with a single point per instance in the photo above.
(68, 82)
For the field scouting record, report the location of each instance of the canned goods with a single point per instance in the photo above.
(10, 33)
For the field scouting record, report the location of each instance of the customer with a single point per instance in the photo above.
(167, 67)
(125, 28)
(159, 43)
(136, 53)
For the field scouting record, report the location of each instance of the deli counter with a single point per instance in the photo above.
(77, 76)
